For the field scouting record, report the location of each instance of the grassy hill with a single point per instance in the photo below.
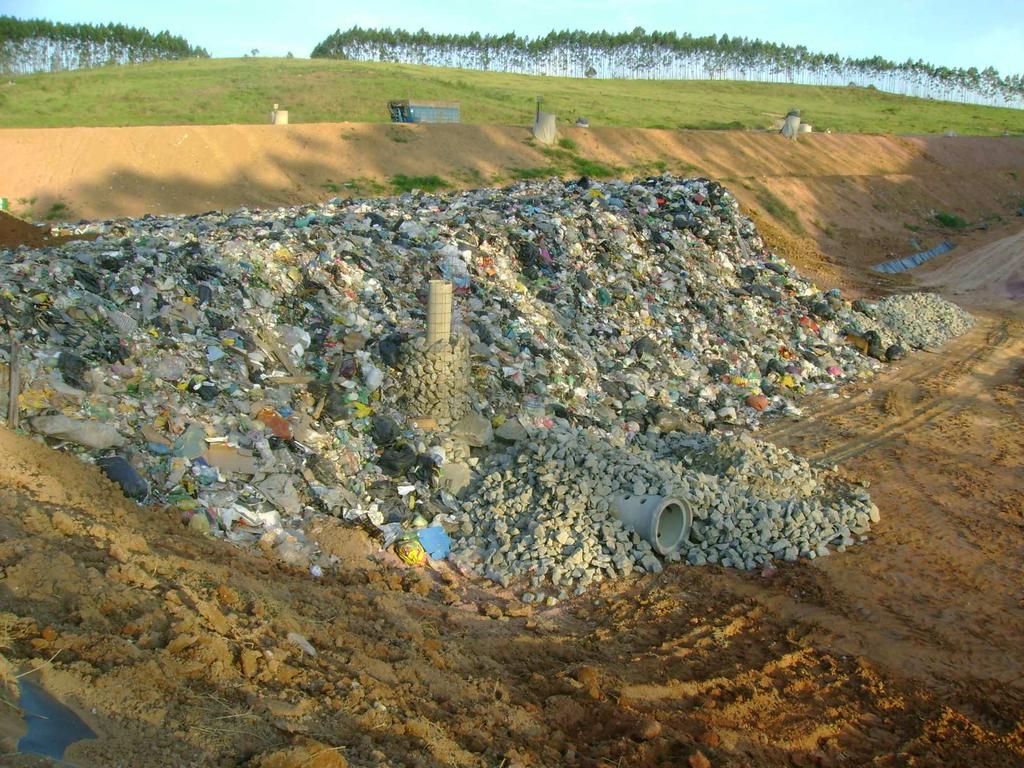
(218, 91)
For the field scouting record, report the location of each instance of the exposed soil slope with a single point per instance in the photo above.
(990, 276)
(868, 198)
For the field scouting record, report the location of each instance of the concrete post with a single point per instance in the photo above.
(439, 312)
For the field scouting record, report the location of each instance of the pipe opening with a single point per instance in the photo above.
(670, 527)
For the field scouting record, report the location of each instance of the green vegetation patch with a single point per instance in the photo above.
(778, 210)
(950, 220)
(58, 210)
(594, 169)
(241, 91)
(432, 183)
(527, 174)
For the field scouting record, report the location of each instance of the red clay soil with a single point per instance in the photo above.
(15, 232)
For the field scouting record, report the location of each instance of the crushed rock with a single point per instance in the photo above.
(543, 510)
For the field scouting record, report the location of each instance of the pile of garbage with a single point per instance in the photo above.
(545, 510)
(251, 369)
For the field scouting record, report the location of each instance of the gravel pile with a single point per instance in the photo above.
(544, 509)
(923, 320)
(755, 502)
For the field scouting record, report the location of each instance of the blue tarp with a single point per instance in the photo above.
(52, 727)
(914, 260)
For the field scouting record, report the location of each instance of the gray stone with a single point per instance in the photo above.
(512, 431)
(455, 477)
(475, 430)
(669, 420)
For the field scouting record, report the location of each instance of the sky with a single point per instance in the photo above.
(956, 33)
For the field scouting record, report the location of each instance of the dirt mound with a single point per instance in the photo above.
(15, 232)
(992, 275)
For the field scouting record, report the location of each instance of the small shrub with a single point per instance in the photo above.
(525, 174)
(361, 185)
(655, 166)
(57, 210)
(592, 168)
(471, 176)
(950, 220)
(556, 153)
(566, 143)
(431, 183)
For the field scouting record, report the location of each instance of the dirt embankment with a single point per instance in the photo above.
(905, 651)
(866, 198)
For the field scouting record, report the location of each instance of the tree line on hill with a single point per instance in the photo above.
(37, 45)
(666, 55)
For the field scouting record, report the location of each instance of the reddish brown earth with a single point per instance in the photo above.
(904, 651)
(15, 232)
(852, 196)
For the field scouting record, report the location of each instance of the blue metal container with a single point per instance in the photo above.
(424, 111)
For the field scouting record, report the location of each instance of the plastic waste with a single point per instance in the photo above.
(246, 361)
(435, 542)
(411, 552)
(118, 469)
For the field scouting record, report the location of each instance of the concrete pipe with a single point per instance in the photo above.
(663, 523)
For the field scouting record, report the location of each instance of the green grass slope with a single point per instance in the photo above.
(218, 91)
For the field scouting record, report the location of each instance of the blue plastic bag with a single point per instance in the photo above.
(435, 541)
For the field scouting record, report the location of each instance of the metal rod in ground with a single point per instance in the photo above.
(15, 388)
(439, 312)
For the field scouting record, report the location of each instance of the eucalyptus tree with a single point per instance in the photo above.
(639, 54)
(35, 45)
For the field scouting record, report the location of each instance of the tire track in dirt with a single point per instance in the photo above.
(950, 390)
(962, 360)
(915, 371)
(933, 594)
